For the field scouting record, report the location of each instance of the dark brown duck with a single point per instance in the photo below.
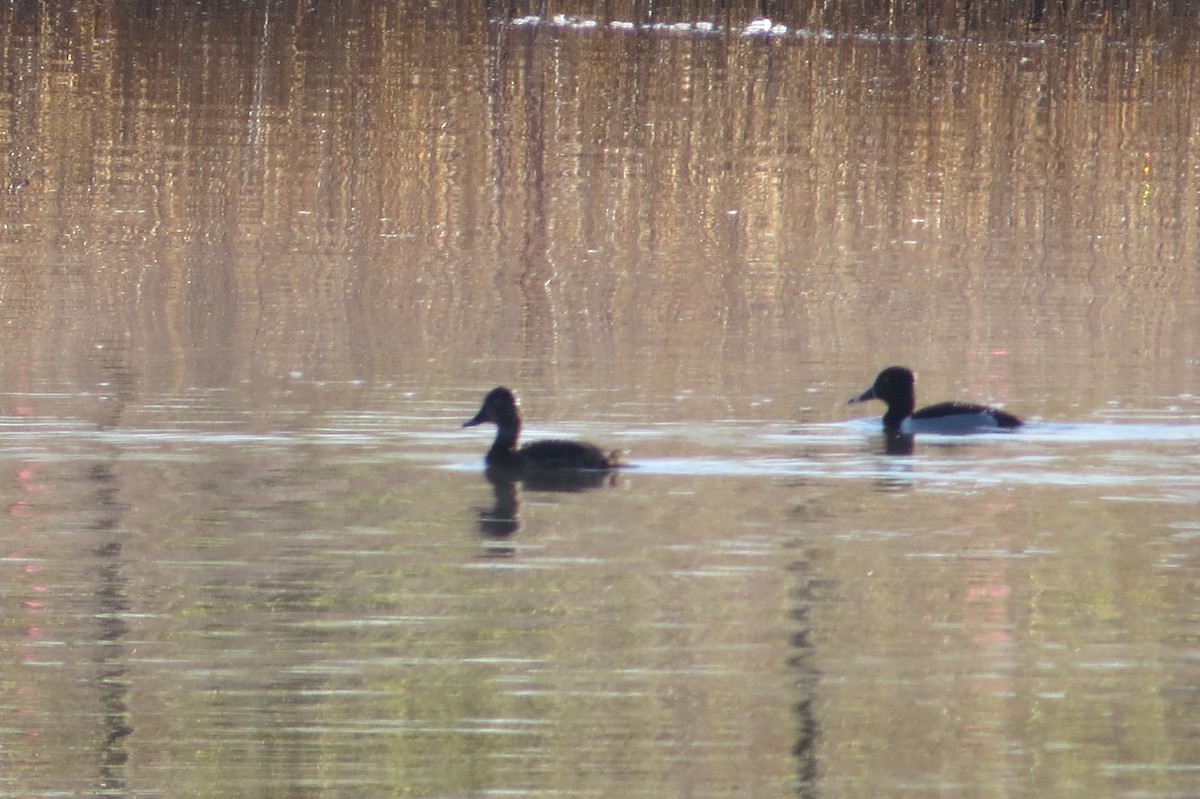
(550, 455)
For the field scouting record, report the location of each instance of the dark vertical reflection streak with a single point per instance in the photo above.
(536, 271)
(806, 593)
(111, 599)
(497, 42)
(24, 96)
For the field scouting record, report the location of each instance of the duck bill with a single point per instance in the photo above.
(869, 394)
(480, 418)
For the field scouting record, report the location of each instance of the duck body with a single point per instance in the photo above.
(554, 454)
(547, 456)
(895, 387)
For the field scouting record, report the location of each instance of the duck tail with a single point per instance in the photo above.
(616, 459)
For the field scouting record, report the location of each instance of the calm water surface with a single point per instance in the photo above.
(253, 284)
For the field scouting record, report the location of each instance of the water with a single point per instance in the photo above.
(258, 266)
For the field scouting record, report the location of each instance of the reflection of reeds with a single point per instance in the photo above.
(450, 183)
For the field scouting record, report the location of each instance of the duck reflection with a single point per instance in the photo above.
(502, 520)
(897, 443)
(895, 467)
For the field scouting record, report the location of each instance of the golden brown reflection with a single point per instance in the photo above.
(250, 193)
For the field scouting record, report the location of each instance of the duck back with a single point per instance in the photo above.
(960, 417)
(554, 454)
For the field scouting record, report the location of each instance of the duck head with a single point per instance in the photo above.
(500, 408)
(894, 386)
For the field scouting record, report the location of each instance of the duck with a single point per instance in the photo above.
(894, 385)
(537, 457)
